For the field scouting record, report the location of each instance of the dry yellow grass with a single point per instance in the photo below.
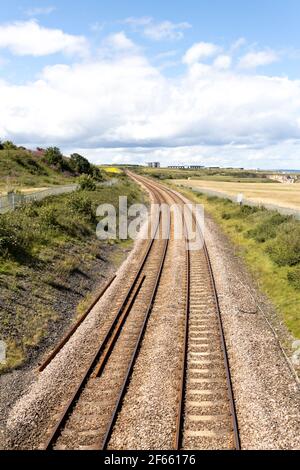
(285, 195)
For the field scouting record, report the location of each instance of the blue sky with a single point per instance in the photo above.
(214, 82)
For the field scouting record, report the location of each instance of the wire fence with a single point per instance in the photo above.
(14, 200)
(248, 202)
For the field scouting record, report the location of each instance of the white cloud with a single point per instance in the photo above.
(121, 107)
(119, 41)
(29, 38)
(158, 31)
(40, 11)
(238, 44)
(166, 30)
(257, 59)
(200, 51)
(223, 62)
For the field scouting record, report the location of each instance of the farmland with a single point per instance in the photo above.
(285, 195)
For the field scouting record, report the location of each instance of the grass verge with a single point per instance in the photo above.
(46, 250)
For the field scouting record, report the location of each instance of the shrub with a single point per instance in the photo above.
(81, 203)
(226, 216)
(268, 228)
(87, 183)
(13, 238)
(285, 248)
(53, 156)
(47, 215)
(294, 277)
(97, 174)
(248, 210)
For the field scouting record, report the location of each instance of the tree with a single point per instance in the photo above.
(53, 156)
(80, 164)
(1, 145)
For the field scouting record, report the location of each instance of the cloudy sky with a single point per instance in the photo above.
(214, 82)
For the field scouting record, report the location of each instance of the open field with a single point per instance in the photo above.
(111, 169)
(285, 195)
(209, 174)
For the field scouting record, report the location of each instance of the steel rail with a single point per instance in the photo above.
(230, 392)
(102, 445)
(70, 404)
(132, 292)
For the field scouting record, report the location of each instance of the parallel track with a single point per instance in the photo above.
(206, 417)
(87, 419)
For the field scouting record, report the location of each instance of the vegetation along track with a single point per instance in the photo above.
(206, 417)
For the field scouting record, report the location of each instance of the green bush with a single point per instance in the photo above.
(226, 216)
(268, 228)
(48, 218)
(285, 248)
(294, 277)
(87, 183)
(81, 203)
(53, 156)
(14, 238)
(245, 210)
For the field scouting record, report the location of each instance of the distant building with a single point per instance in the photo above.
(186, 167)
(178, 167)
(154, 165)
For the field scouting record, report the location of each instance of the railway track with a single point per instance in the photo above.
(206, 416)
(88, 417)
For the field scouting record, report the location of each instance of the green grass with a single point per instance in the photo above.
(20, 169)
(41, 246)
(270, 245)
